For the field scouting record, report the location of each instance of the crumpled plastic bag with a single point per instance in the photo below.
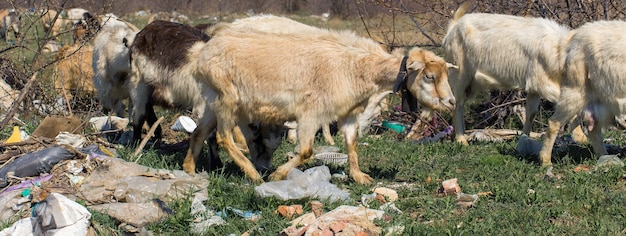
(74, 140)
(104, 123)
(57, 215)
(313, 182)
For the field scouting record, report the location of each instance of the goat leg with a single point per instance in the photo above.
(306, 135)
(350, 129)
(226, 141)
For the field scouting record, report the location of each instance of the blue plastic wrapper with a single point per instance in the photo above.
(34, 163)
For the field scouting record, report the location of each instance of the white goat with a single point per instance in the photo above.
(495, 51)
(111, 63)
(311, 78)
(594, 82)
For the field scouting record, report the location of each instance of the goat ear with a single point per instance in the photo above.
(452, 66)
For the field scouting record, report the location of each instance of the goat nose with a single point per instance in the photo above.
(452, 102)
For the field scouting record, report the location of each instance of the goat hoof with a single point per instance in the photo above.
(276, 177)
(189, 167)
(363, 178)
(462, 141)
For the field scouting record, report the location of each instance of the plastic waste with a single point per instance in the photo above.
(447, 131)
(58, 215)
(24, 134)
(184, 123)
(35, 163)
(549, 174)
(27, 183)
(135, 214)
(323, 149)
(528, 147)
(203, 218)
(395, 126)
(66, 138)
(15, 137)
(114, 178)
(466, 200)
(390, 206)
(22, 227)
(313, 182)
(609, 160)
(104, 123)
(250, 215)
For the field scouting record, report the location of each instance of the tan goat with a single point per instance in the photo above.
(313, 79)
(276, 24)
(74, 72)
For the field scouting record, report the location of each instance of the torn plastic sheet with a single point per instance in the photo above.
(116, 180)
(136, 214)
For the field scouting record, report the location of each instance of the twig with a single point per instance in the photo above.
(64, 92)
(504, 104)
(75, 151)
(417, 24)
(356, 4)
(42, 140)
(145, 139)
(27, 142)
(106, 132)
(7, 162)
(414, 129)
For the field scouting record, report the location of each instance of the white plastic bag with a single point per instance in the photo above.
(58, 215)
(313, 182)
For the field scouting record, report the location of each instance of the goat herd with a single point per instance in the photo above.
(266, 70)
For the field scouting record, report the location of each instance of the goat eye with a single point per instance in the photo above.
(429, 78)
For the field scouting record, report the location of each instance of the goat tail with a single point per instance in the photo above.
(457, 16)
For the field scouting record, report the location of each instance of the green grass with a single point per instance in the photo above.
(521, 202)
